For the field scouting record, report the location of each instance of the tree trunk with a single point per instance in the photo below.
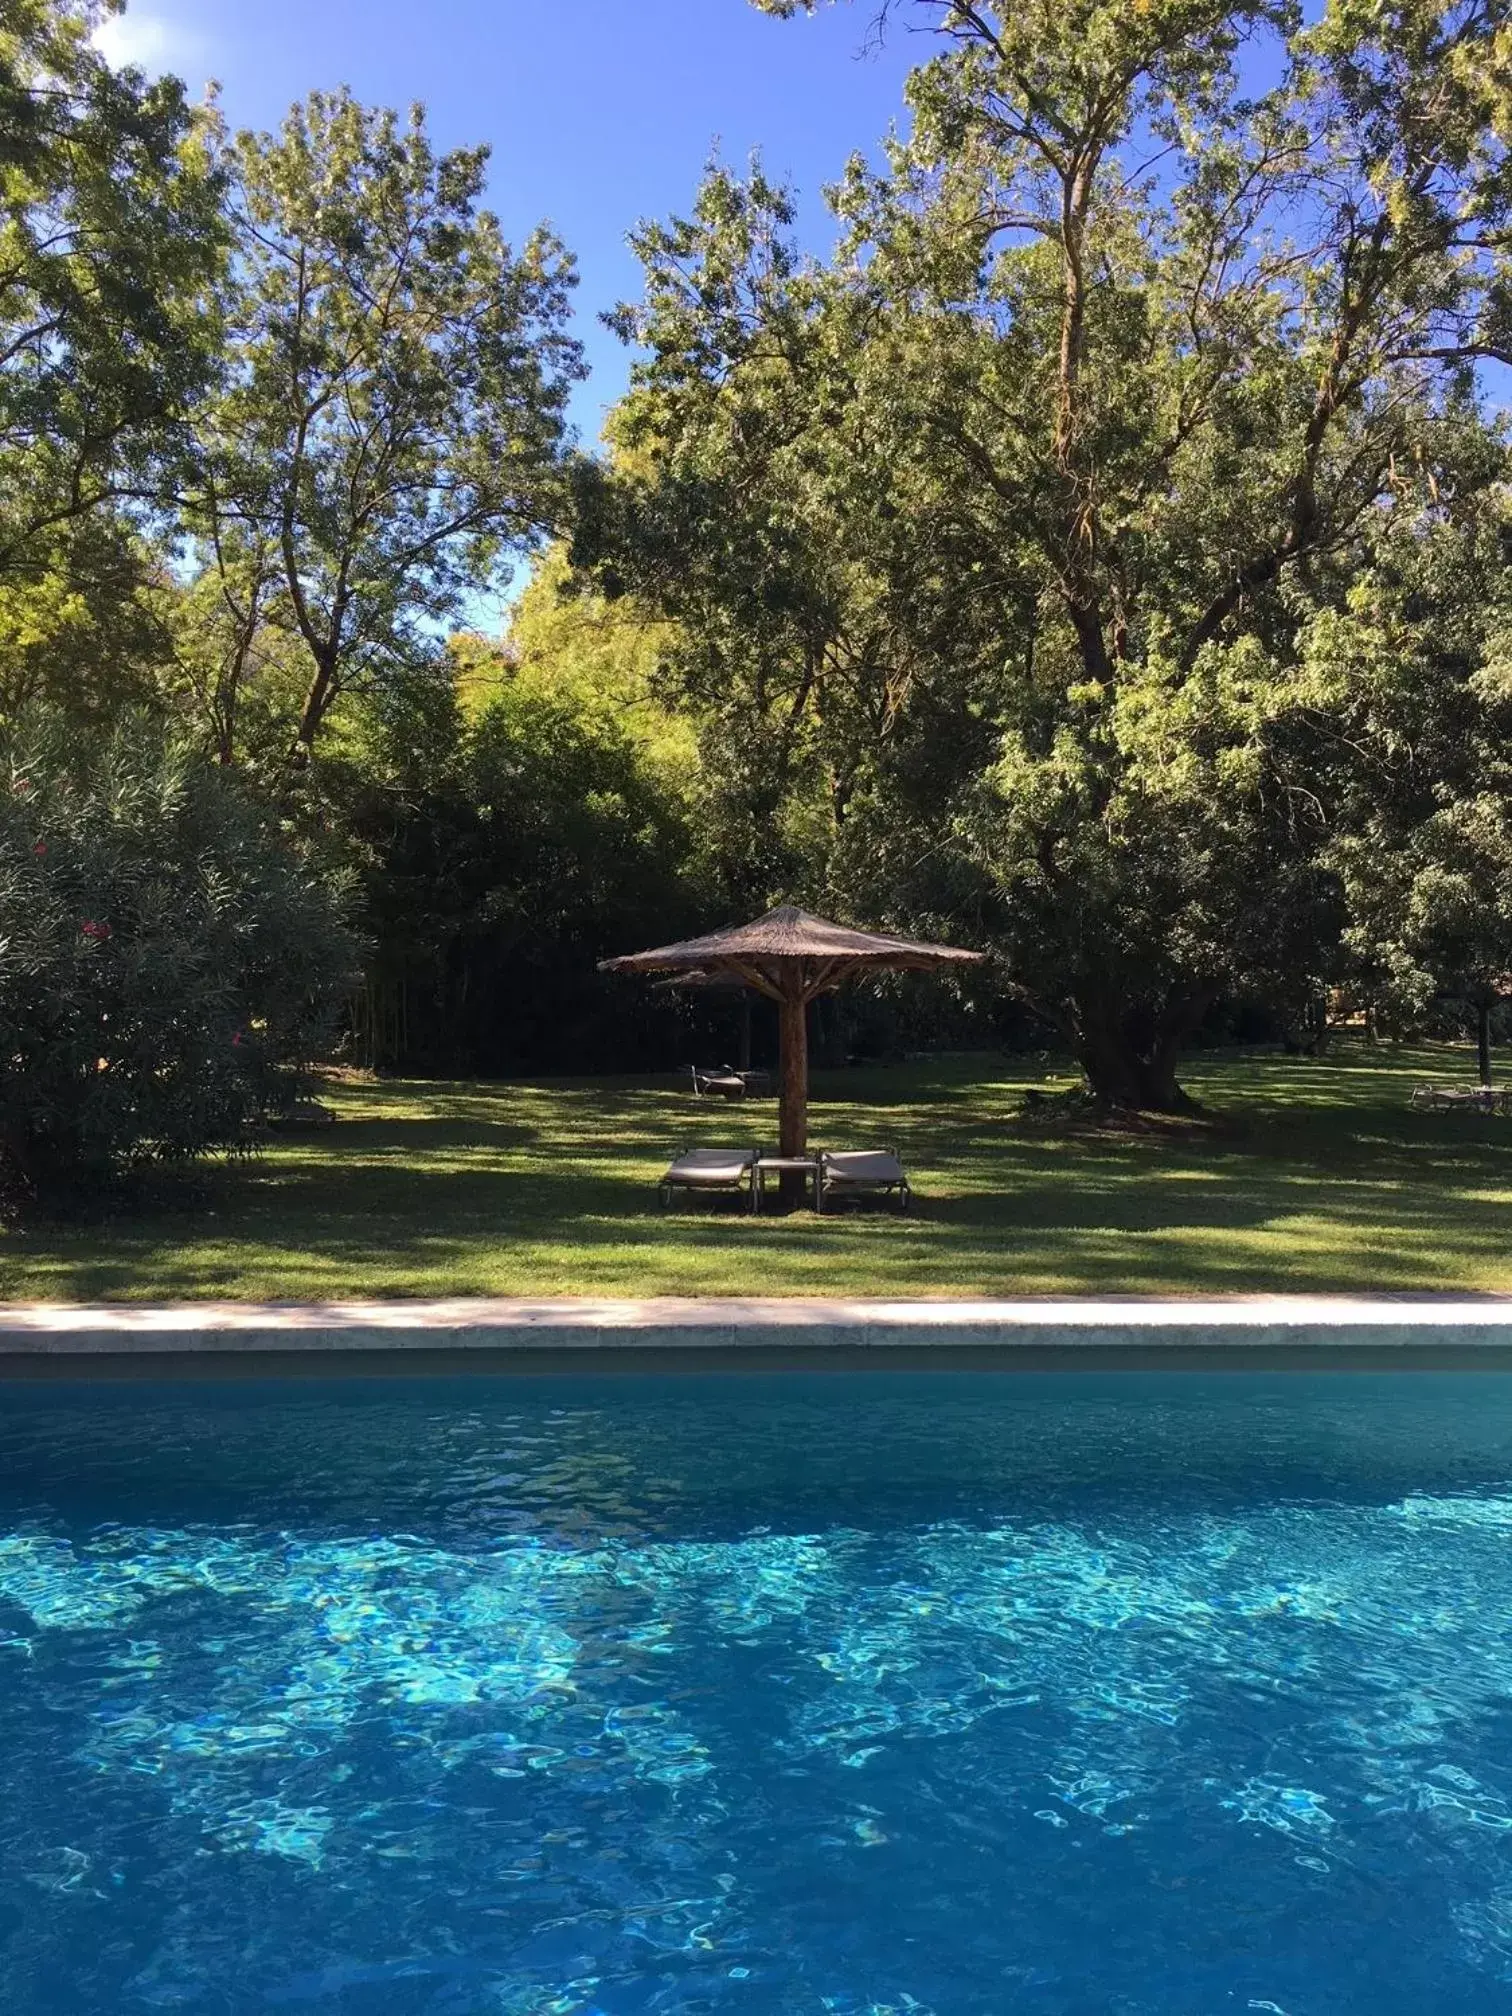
(1483, 1040)
(1318, 1022)
(792, 1136)
(317, 704)
(1124, 1081)
(1132, 1068)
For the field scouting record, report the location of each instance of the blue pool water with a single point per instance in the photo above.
(885, 1696)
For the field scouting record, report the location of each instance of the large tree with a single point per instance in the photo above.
(745, 498)
(111, 233)
(392, 431)
(1113, 373)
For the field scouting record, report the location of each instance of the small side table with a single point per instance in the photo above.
(783, 1165)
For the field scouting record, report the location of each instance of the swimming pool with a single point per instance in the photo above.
(1124, 1693)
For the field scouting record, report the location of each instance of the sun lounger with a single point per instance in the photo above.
(1462, 1099)
(872, 1172)
(707, 1169)
(726, 1083)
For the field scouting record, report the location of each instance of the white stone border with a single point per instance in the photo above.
(1261, 1323)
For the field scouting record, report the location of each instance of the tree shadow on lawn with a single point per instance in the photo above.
(942, 1119)
(404, 1182)
(550, 1188)
(438, 1231)
(891, 1258)
(577, 1119)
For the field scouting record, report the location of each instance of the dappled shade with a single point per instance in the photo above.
(793, 957)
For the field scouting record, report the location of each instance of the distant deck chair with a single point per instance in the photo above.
(724, 1082)
(708, 1169)
(1462, 1098)
(870, 1172)
(302, 1113)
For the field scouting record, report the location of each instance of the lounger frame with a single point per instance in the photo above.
(843, 1186)
(720, 1084)
(695, 1179)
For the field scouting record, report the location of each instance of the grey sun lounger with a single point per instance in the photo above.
(869, 1172)
(707, 1169)
(726, 1083)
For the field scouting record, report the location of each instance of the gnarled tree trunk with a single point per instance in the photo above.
(1130, 1053)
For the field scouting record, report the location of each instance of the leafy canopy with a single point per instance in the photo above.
(111, 232)
(391, 432)
(1014, 510)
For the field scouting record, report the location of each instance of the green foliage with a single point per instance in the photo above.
(998, 534)
(1102, 557)
(607, 658)
(391, 429)
(165, 963)
(111, 230)
(507, 844)
(1410, 691)
(81, 626)
(230, 671)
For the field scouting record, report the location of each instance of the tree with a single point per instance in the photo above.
(392, 429)
(81, 631)
(509, 832)
(111, 233)
(742, 502)
(605, 659)
(1434, 917)
(1409, 711)
(165, 962)
(1113, 373)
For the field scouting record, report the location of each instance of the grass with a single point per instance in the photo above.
(1314, 1176)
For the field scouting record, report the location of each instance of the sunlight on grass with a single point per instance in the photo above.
(1315, 1176)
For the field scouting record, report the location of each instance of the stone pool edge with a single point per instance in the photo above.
(543, 1334)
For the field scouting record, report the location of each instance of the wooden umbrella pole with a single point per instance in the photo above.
(792, 1133)
(792, 958)
(793, 1093)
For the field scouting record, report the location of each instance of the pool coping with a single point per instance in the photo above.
(545, 1333)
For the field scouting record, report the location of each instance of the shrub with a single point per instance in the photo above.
(167, 964)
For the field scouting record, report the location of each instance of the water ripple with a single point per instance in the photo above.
(1130, 1742)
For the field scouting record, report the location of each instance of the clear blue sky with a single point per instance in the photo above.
(599, 112)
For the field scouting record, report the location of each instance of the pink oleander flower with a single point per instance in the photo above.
(40, 848)
(91, 929)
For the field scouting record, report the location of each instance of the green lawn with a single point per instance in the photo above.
(1315, 1176)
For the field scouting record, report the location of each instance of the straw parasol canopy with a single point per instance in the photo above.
(792, 957)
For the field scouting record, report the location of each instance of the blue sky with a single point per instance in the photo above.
(599, 112)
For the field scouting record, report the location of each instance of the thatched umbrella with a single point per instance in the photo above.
(791, 957)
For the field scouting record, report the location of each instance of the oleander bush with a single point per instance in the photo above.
(168, 965)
